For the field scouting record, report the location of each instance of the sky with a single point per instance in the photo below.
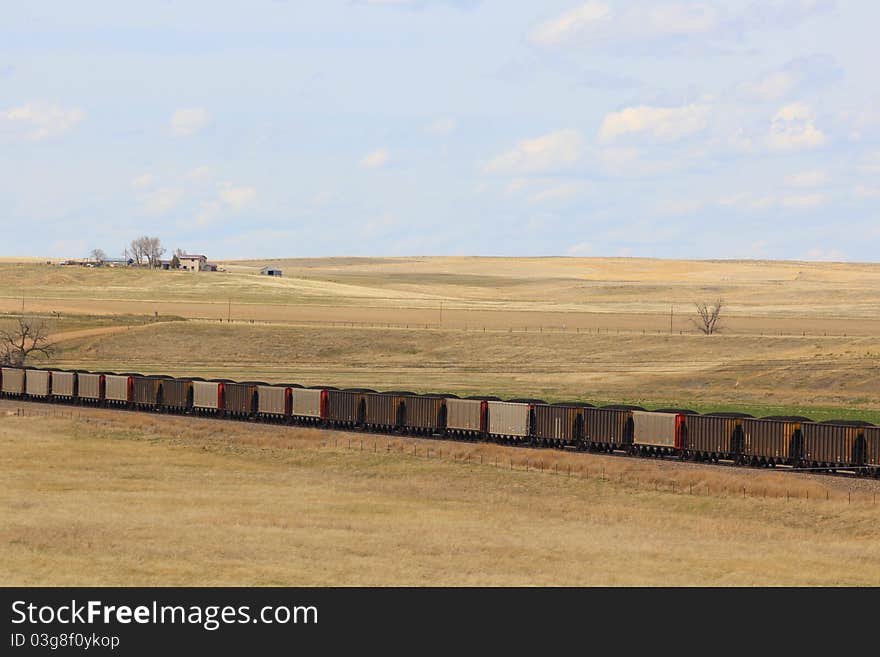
(272, 128)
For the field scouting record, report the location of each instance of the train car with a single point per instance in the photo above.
(609, 428)
(425, 414)
(208, 396)
(714, 437)
(274, 402)
(177, 395)
(64, 385)
(90, 387)
(12, 381)
(347, 408)
(38, 383)
(872, 450)
(773, 441)
(385, 411)
(511, 421)
(561, 424)
(147, 391)
(241, 399)
(117, 389)
(309, 405)
(657, 433)
(834, 444)
(467, 418)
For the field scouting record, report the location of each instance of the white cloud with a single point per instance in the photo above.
(208, 212)
(551, 151)
(559, 192)
(746, 201)
(863, 191)
(771, 86)
(793, 129)
(663, 123)
(39, 121)
(799, 75)
(376, 159)
(630, 26)
(143, 181)
(237, 197)
(187, 121)
(679, 206)
(618, 160)
(818, 253)
(582, 248)
(198, 173)
(803, 201)
(812, 178)
(162, 200)
(378, 225)
(442, 126)
(572, 24)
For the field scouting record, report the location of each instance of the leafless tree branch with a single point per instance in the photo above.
(708, 316)
(29, 337)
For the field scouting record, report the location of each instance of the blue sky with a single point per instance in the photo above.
(441, 127)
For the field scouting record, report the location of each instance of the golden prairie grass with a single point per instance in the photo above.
(608, 293)
(708, 373)
(106, 497)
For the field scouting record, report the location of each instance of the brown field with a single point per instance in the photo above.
(111, 498)
(97, 499)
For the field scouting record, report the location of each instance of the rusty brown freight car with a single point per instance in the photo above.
(834, 444)
(146, 391)
(772, 441)
(240, 399)
(177, 394)
(872, 448)
(560, 424)
(13, 381)
(425, 413)
(714, 437)
(38, 383)
(384, 410)
(607, 429)
(346, 407)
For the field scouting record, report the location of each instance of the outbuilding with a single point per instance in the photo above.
(271, 271)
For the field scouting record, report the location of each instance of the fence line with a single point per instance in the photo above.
(524, 465)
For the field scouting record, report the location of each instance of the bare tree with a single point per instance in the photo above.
(98, 254)
(138, 248)
(154, 251)
(30, 336)
(708, 316)
(147, 251)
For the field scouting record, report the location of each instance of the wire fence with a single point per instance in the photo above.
(424, 448)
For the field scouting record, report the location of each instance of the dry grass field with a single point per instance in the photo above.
(504, 293)
(110, 498)
(116, 498)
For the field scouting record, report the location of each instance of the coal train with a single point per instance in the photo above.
(737, 438)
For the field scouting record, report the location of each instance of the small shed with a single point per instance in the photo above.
(271, 271)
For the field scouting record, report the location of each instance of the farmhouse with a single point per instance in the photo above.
(193, 262)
